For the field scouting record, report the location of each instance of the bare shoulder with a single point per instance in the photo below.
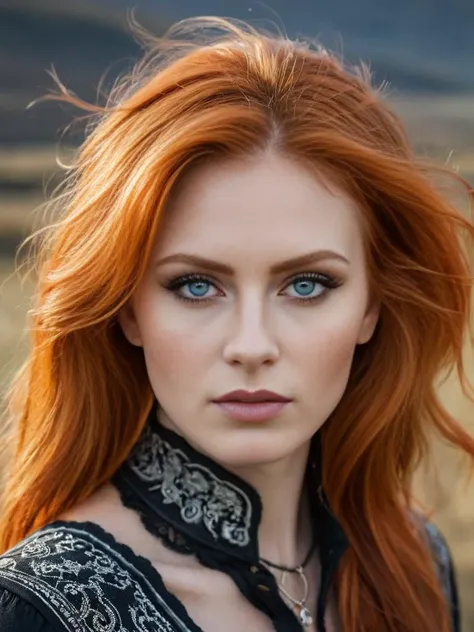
(105, 508)
(183, 572)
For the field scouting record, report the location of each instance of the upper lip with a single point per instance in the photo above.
(252, 396)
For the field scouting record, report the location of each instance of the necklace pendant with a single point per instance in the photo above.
(305, 616)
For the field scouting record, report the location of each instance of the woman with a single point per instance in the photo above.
(239, 321)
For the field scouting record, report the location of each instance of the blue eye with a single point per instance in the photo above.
(196, 285)
(305, 285)
(198, 288)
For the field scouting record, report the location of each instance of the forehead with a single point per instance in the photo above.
(262, 208)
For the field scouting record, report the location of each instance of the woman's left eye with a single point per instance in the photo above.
(308, 287)
(312, 285)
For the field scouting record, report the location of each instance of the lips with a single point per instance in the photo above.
(252, 406)
(252, 397)
(257, 411)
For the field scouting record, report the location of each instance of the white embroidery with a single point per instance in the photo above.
(82, 580)
(224, 509)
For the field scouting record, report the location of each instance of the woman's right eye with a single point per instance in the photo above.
(197, 288)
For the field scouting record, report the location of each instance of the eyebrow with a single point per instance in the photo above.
(283, 266)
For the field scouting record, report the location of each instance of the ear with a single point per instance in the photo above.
(128, 323)
(369, 322)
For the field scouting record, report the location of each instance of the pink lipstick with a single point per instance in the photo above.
(252, 406)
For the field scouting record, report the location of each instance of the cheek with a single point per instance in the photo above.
(327, 355)
(174, 351)
(325, 367)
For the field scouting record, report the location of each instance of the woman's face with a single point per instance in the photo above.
(245, 317)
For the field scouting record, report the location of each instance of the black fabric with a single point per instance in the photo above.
(75, 577)
(79, 578)
(18, 615)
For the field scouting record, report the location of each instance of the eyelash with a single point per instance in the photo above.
(329, 282)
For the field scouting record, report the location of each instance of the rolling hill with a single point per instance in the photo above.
(419, 46)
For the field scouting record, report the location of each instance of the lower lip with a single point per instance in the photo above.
(246, 411)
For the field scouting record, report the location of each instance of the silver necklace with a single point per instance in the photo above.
(303, 611)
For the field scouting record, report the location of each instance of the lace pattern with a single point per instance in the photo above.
(168, 535)
(82, 581)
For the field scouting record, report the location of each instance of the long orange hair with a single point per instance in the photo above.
(81, 399)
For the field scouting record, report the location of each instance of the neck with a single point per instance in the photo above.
(285, 532)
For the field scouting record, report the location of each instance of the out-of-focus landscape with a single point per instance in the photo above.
(424, 49)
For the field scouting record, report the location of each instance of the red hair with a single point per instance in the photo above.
(81, 399)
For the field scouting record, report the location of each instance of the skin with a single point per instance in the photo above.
(247, 329)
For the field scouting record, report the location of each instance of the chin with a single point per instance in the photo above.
(253, 446)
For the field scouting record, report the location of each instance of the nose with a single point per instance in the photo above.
(251, 344)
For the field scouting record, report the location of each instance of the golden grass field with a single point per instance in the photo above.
(437, 127)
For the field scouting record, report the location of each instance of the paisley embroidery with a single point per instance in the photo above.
(224, 509)
(81, 579)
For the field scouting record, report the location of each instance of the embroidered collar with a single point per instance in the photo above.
(200, 499)
(204, 502)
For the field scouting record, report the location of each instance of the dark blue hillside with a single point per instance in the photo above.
(422, 46)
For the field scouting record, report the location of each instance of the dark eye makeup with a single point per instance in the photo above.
(328, 282)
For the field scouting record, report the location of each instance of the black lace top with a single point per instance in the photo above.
(75, 577)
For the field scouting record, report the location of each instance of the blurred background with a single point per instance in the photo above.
(423, 50)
